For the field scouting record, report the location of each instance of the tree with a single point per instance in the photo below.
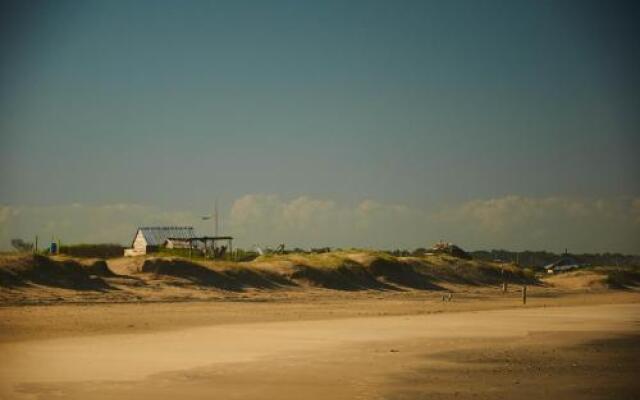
(420, 251)
(21, 245)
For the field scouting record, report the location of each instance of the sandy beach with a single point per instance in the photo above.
(581, 346)
(319, 200)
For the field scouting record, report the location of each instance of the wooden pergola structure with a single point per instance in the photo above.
(206, 240)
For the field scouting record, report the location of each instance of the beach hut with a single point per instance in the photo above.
(150, 239)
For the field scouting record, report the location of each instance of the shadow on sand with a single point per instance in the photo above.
(232, 279)
(42, 270)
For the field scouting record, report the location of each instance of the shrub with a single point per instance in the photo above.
(105, 250)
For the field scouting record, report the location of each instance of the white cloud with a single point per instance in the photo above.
(512, 222)
(515, 222)
(306, 221)
(548, 223)
(80, 223)
(635, 209)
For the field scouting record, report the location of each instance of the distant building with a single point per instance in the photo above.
(448, 249)
(150, 239)
(565, 263)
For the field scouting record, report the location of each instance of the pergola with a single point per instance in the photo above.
(206, 240)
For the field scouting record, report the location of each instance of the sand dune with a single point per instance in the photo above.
(342, 325)
(37, 279)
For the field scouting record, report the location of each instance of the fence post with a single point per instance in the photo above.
(524, 294)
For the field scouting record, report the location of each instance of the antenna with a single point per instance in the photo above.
(215, 221)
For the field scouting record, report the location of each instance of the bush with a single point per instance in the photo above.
(245, 255)
(106, 250)
(21, 245)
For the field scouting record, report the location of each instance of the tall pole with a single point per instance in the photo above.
(215, 220)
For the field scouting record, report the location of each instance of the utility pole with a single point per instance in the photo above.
(215, 218)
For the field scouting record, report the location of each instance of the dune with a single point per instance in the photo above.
(229, 277)
(26, 270)
(596, 279)
(578, 280)
(175, 278)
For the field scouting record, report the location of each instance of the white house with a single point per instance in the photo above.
(150, 239)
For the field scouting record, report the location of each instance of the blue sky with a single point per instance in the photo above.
(426, 106)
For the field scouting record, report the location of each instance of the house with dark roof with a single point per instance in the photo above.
(566, 263)
(150, 239)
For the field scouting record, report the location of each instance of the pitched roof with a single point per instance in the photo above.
(565, 262)
(157, 235)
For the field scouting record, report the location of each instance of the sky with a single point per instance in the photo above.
(492, 124)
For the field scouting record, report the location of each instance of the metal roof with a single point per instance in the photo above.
(563, 263)
(201, 238)
(157, 235)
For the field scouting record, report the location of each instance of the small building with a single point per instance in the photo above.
(448, 249)
(150, 239)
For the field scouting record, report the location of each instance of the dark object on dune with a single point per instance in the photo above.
(449, 249)
(21, 245)
(104, 250)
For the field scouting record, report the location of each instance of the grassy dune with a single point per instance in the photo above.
(25, 277)
(374, 270)
(29, 270)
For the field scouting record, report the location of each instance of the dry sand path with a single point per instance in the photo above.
(341, 358)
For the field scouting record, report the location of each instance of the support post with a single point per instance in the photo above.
(504, 280)
(524, 294)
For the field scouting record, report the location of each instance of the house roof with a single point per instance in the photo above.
(201, 238)
(563, 263)
(157, 235)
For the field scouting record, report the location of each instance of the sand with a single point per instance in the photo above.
(344, 346)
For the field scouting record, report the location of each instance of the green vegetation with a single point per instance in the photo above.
(381, 270)
(621, 278)
(198, 255)
(185, 253)
(24, 270)
(106, 250)
(351, 270)
(538, 259)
